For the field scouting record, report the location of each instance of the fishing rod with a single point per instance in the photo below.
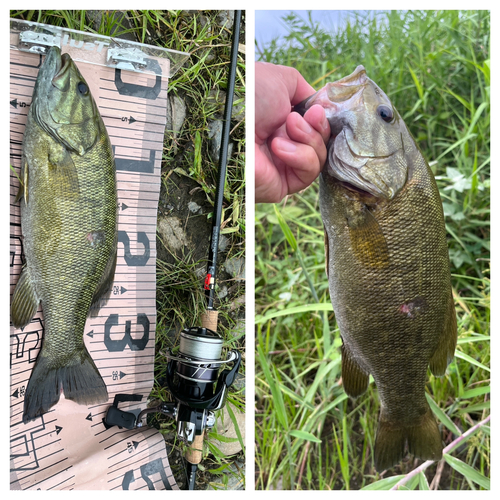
(209, 318)
(193, 372)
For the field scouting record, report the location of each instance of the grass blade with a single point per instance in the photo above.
(383, 484)
(442, 417)
(467, 471)
(307, 436)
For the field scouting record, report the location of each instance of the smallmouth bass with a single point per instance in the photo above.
(387, 263)
(68, 218)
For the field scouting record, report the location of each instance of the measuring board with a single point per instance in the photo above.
(70, 447)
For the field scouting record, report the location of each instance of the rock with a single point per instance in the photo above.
(223, 243)
(235, 267)
(238, 110)
(215, 136)
(239, 329)
(226, 429)
(226, 19)
(176, 113)
(121, 23)
(218, 97)
(239, 382)
(194, 207)
(201, 272)
(172, 232)
(238, 302)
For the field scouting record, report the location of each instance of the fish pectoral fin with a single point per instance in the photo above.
(354, 378)
(24, 301)
(445, 350)
(103, 289)
(23, 184)
(63, 176)
(367, 240)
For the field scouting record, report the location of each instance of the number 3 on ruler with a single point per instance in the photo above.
(127, 340)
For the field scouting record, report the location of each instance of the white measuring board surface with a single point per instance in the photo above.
(70, 447)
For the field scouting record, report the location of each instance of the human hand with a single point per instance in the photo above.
(290, 150)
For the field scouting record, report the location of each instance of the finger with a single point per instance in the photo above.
(269, 186)
(277, 88)
(298, 88)
(301, 163)
(316, 117)
(300, 131)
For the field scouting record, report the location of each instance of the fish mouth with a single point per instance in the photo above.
(60, 80)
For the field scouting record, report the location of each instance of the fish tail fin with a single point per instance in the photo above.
(389, 445)
(78, 378)
(424, 441)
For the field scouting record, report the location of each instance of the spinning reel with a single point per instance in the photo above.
(198, 388)
(193, 380)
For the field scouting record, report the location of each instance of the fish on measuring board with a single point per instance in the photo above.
(69, 225)
(387, 263)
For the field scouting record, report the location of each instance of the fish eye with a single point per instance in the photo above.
(385, 112)
(82, 88)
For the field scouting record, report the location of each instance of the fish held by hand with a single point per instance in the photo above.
(387, 263)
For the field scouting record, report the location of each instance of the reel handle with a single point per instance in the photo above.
(194, 453)
(209, 319)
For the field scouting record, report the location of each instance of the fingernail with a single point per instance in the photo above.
(325, 124)
(287, 146)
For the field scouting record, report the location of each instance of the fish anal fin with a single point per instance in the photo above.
(354, 378)
(367, 239)
(445, 350)
(24, 300)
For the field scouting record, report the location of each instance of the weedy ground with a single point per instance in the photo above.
(434, 66)
(189, 169)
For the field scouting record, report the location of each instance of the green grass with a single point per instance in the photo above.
(434, 66)
(180, 298)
